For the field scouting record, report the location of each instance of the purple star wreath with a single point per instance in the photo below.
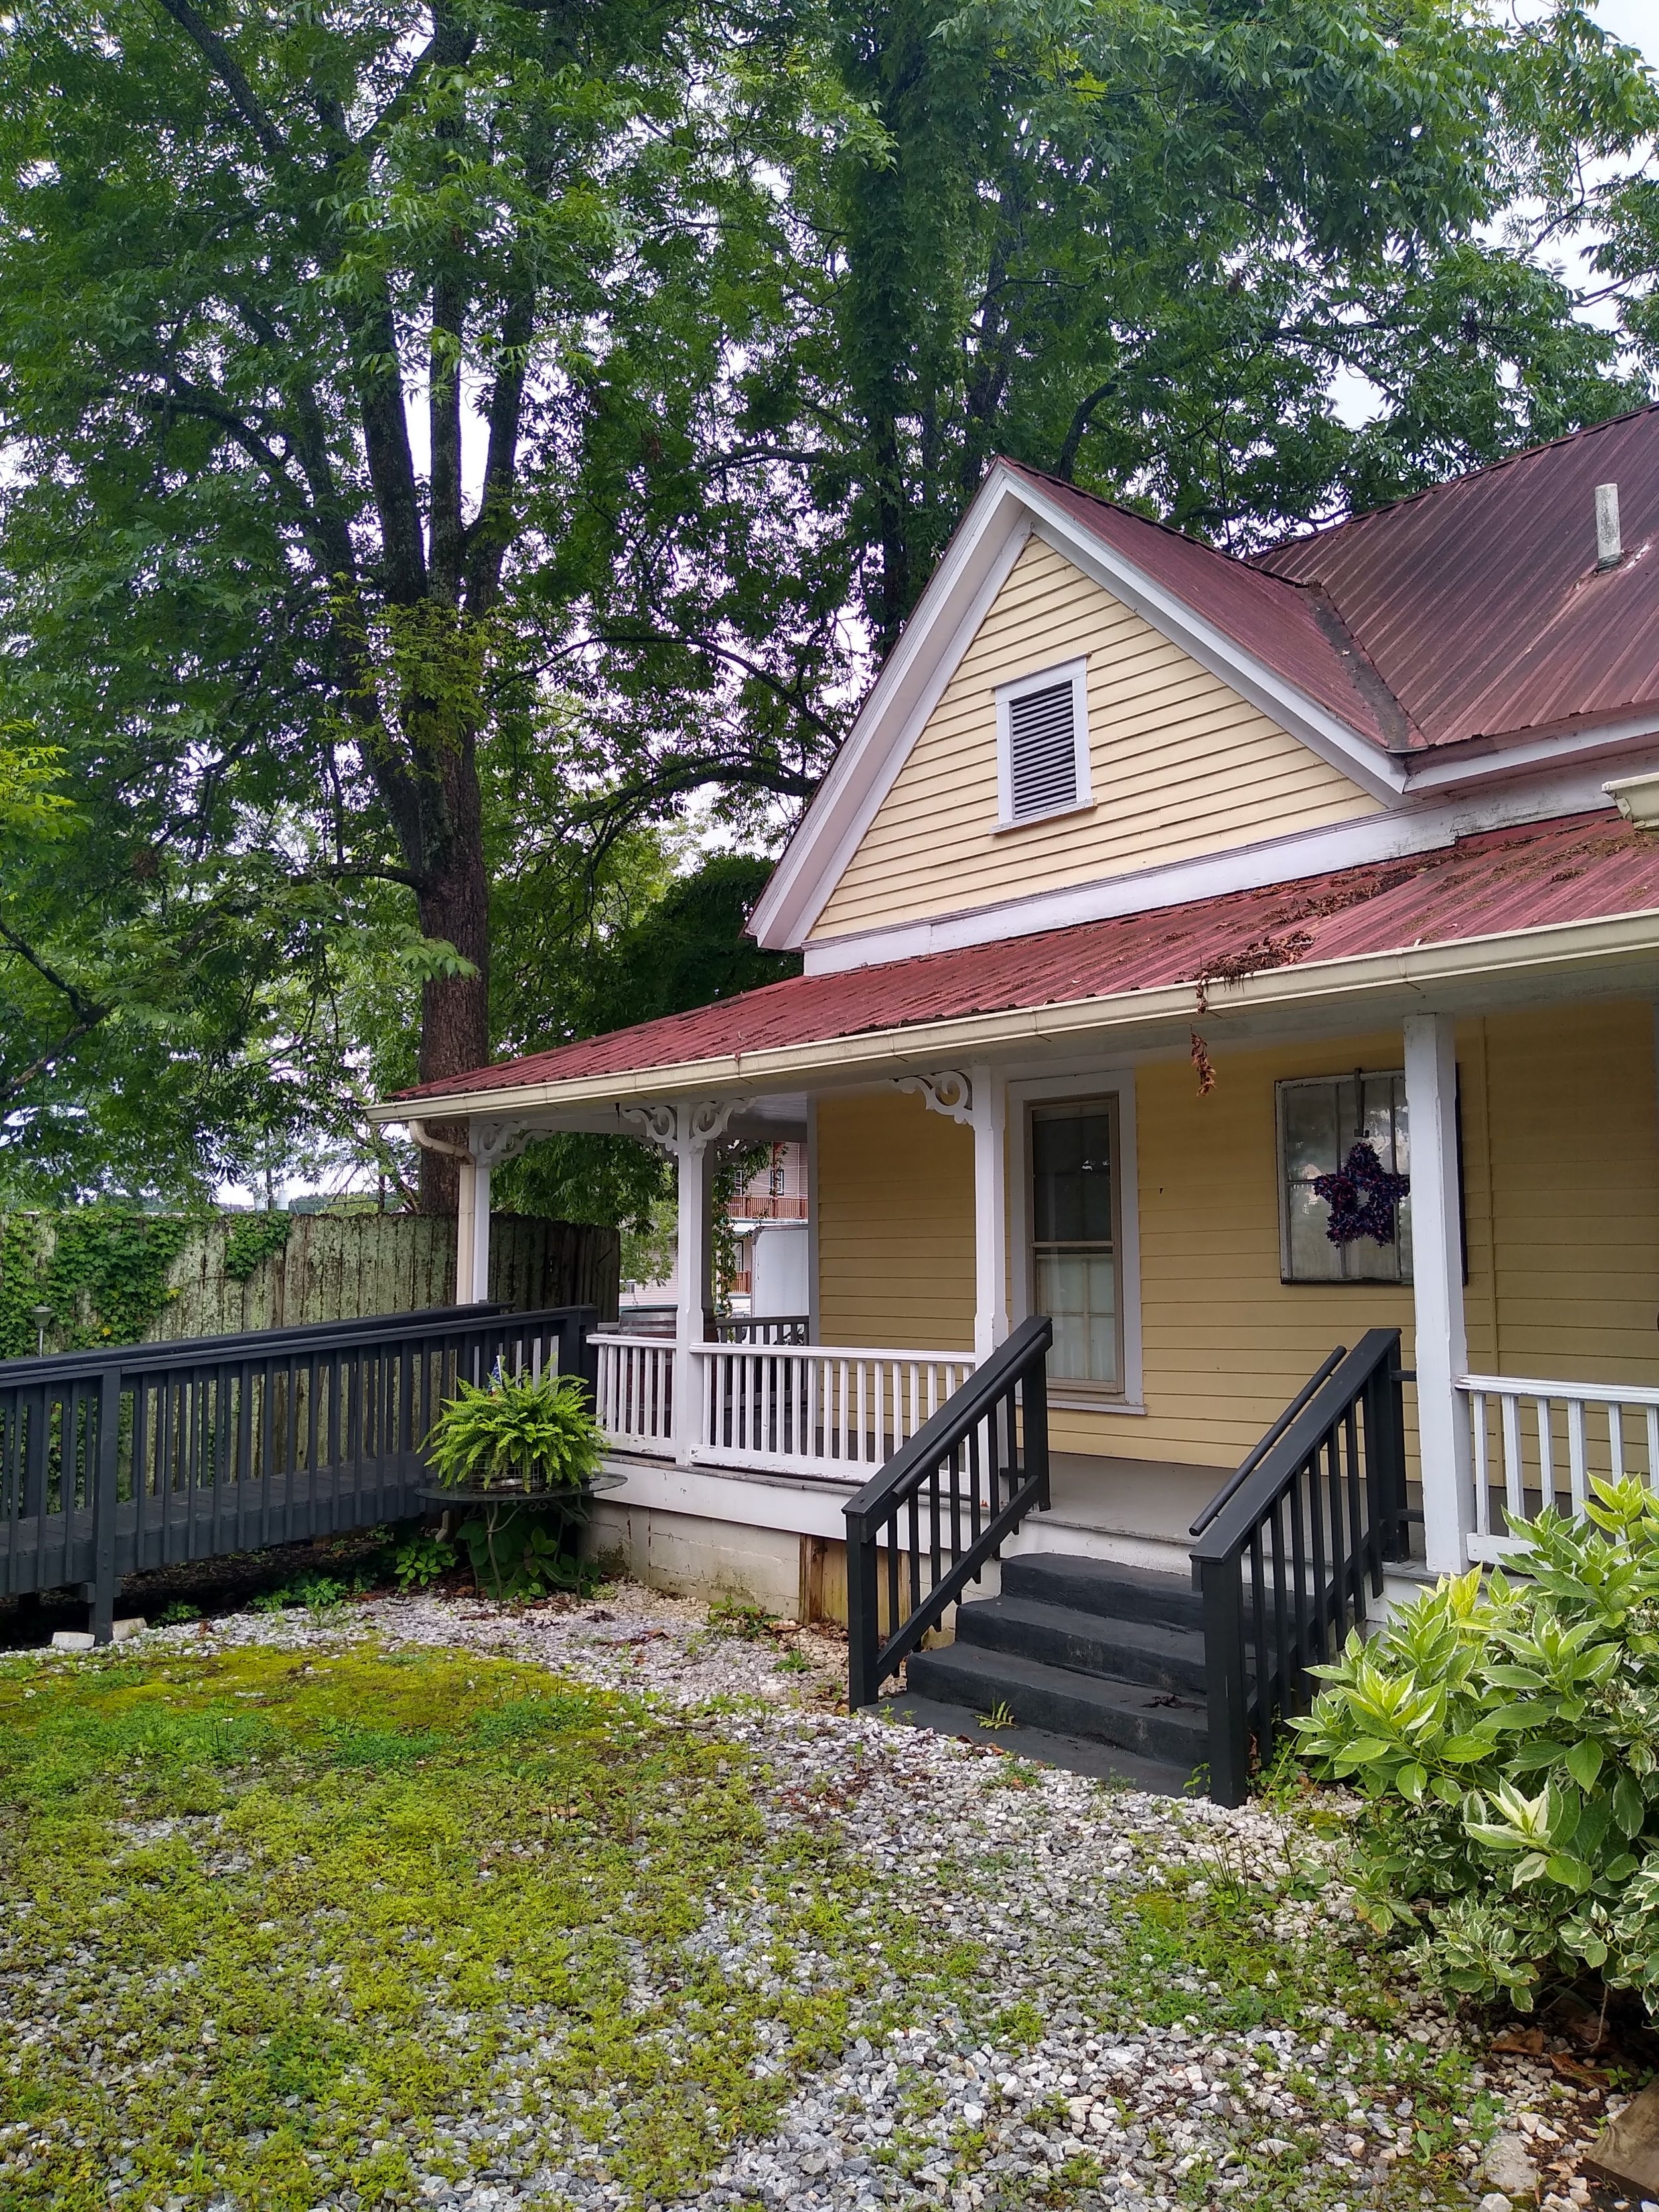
(1364, 1198)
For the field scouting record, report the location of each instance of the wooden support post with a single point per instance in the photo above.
(466, 1179)
(105, 1476)
(990, 1126)
(1442, 1347)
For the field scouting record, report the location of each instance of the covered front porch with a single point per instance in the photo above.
(1198, 1295)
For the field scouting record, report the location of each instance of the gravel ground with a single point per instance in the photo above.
(1065, 2065)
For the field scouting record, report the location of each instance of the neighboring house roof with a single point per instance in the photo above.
(1478, 602)
(1487, 886)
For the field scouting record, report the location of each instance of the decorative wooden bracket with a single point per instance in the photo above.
(947, 1090)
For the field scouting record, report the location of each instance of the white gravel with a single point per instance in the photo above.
(984, 2117)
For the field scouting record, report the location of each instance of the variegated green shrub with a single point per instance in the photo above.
(1505, 1736)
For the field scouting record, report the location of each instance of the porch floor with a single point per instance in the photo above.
(1155, 1499)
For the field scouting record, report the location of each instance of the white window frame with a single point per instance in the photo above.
(1075, 673)
(1117, 1083)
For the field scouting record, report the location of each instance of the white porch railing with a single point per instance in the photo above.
(635, 1394)
(778, 1408)
(1541, 1443)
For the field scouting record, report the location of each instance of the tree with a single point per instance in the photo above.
(1139, 244)
(253, 262)
(684, 948)
(442, 439)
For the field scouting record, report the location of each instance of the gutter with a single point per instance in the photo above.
(1563, 949)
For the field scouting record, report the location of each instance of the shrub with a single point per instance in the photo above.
(1506, 1742)
(513, 1432)
(418, 1560)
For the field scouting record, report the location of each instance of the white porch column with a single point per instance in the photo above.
(481, 1229)
(990, 1123)
(691, 1257)
(688, 1132)
(466, 1176)
(1438, 1268)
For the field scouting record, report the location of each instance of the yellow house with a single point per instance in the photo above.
(1210, 965)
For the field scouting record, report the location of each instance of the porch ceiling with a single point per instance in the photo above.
(1551, 907)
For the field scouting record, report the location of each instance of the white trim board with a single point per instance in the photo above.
(1291, 859)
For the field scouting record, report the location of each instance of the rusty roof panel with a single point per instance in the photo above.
(1479, 603)
(1584, 868)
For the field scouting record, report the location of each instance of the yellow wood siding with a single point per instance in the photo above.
(1179, 765)
(895, 1225)
(1573, 1132)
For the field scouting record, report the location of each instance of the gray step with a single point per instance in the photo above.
(1087, 1642)
(1158, 1724)
(1077, 1755)
(1101, 1586)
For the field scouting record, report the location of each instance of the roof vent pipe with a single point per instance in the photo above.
(1609, 548)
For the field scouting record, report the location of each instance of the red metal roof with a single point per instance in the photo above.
(1581, 869)
(1288, 627)
(1479, 603)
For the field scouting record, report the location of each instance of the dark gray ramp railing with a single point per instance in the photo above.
(146, 1455)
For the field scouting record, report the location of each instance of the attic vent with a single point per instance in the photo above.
(1043, 750)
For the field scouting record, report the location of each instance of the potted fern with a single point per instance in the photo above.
(517, 1447)
(516, 1436)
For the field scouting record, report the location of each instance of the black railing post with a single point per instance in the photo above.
(1035, 1393)
(106, 1477)
(1227, 1679)
(1385, 1452)
(863, 1614)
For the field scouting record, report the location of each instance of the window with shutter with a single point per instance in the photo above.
(1044, 750)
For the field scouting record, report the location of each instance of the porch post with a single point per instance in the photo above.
(691, 1182)
(466, 1177)
(481, 1229)
(990, 1123)
(1438, 1268)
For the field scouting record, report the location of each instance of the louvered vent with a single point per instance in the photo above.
(1043, 751)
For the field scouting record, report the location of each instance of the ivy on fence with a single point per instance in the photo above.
(101, 1270)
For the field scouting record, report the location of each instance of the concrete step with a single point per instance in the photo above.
(1159, 1724)
(1099, 1586)
(1076, 1754)
(1087, 1642)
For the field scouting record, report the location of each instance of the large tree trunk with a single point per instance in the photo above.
(454, 904)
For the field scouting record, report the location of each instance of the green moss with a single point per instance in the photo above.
(276, 1924)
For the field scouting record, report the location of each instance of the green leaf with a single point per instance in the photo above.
(1585, 1762)
(1629, 1806)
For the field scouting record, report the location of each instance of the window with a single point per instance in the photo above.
(1043, 746)
(1319, 1124)
(1074, 1240)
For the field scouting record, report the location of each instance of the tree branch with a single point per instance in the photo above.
(229, 71)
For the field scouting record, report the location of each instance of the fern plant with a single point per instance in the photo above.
(516, 1433)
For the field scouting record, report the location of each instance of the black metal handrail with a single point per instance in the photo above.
(134, 1457)
(1284, 1556)
(944, 1505)
(1253, 1459)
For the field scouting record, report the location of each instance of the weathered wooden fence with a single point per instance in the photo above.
(345, 1267)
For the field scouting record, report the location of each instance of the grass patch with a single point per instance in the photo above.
(279, 1924)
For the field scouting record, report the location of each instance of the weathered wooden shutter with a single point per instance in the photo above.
(1041, 752)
